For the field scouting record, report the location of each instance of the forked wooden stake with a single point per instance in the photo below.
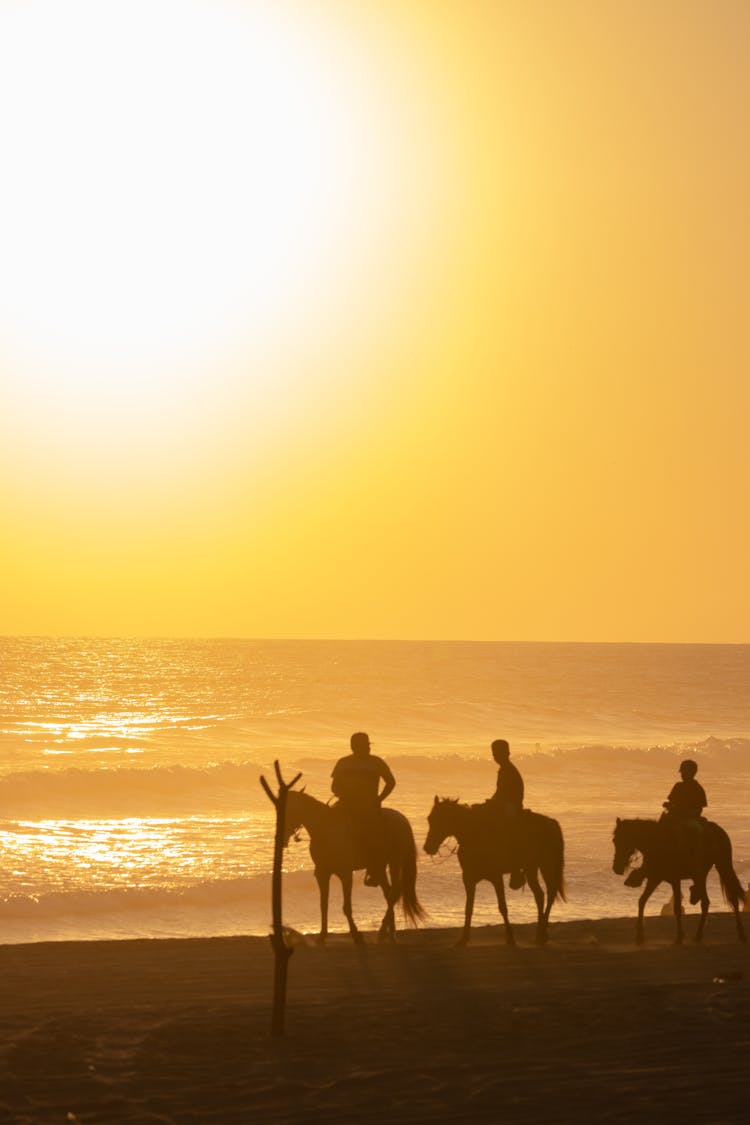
(282, 951)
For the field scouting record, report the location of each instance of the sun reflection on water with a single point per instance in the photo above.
(131, 852)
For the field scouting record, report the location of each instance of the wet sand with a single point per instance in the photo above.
(588, 1028)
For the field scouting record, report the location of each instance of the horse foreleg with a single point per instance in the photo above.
(542, 912)
(499, 886)
(471, 887)
(346, 886)
(323, 879)
(677, 893)
(648, 890)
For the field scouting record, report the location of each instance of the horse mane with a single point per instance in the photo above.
(456, 802)
(639, 820)
(300, 794)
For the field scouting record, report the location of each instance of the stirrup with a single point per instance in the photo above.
(373, 879)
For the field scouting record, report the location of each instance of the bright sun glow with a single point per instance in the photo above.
(182, 177)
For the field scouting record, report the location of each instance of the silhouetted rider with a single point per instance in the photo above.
(509, 790)
(508, 799)
(684, 814)
(687, 799)
(356, 782)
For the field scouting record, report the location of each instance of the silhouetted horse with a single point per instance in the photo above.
(486, 852)
(665, 861)
(334, 852)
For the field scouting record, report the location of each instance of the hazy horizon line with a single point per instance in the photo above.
(356, 640)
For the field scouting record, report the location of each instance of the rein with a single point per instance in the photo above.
(440, 857)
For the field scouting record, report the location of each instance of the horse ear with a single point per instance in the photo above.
(619, 822)
(436, 798)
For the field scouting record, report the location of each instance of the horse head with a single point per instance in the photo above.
(625, 845)
(293, 815)
(442, 823)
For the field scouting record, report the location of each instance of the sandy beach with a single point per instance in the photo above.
(590, 1027)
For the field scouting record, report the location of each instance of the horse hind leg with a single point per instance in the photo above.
(542, 912)
(346, 884)
(677, 894)
(499, 886)
(734, 894)
(705, 903)
(387, 931)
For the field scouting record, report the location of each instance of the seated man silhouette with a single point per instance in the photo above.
(508, 801)
(684, 816)
(356, 782)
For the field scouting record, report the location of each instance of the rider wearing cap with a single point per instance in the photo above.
(356, 782)
(683, 812)
(687, 798)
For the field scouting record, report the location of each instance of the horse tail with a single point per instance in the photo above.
(557, 849)
(731, 888)
(413, 910)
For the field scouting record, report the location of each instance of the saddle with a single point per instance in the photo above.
(687, 835)
(499, 830)
(366, 831)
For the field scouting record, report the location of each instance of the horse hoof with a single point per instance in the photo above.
(320, 939)
(462, 941)
(358, 938)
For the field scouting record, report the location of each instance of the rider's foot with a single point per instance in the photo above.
(635, 878)
(517, 880)
(695, 895)
(374, 878)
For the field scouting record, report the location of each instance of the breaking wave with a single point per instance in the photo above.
(233, 786)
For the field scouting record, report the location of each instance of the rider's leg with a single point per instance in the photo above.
(515, 831)
(694, 843)
(375, 875)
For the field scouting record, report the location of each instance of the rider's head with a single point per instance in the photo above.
(688, 768)
(360, 744)
(500, 750)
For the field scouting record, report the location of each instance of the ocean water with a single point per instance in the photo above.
(130, 802)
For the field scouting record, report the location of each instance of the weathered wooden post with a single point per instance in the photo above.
(282, 951)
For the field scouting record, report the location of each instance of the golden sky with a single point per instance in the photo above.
(408, 320)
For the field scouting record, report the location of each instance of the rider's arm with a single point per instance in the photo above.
(389, 780)
(335, 779)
